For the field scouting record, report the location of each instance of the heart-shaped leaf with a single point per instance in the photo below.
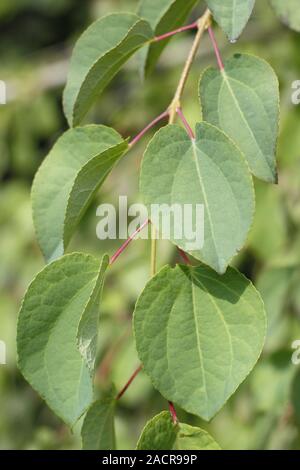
(209, 170)
(98, 55)
(288, 11)
(232, 15)
(199, 335)
(48, 354)
(160, 433)
(68, 179)
(163, 16)
(98, 429)
(243, 101)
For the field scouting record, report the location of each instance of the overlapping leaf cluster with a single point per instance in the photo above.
(199, 330)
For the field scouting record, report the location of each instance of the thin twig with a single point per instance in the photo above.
(136, 372)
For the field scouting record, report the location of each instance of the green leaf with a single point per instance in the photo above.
(288, 11)
(68, 179)
(48, 354)
(194, 438)
(232, 15)
(243, 101)
(274, 285)
(199, 335)
(98, 55)
(276, 369)
(160, 433)
(87, 335)
(163, 16)
(209, 170)
(98, 429)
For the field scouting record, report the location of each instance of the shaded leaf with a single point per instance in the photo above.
(295, 396)
(67, 180)
(163, 16)
(98, 55)
(199, 335)
(232, 15)
(48, 354)
(243, 101)
(209, 171)
(288, 11)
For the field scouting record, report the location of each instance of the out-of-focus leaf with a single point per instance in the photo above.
(159, 433)
(288, 11)
(163, 16)
(48, 354)
(98, 429)
(207, 170)
(274, 285)
(67, 180)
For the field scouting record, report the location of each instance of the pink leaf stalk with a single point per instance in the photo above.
(216, 48)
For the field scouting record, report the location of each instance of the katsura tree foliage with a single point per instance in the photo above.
(200, 326)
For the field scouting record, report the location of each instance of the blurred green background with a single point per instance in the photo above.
(36, 38)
